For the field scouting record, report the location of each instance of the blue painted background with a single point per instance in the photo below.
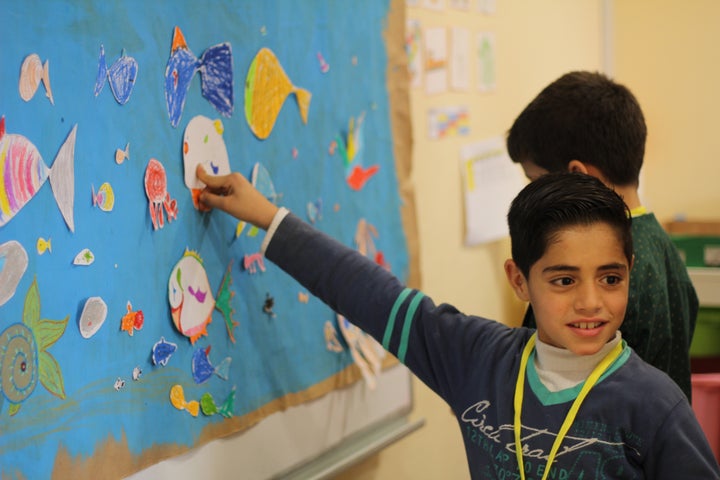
(272, 356)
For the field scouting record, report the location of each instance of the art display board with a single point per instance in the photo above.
(133, 326)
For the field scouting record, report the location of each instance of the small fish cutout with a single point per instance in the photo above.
(295, 153)
(267, 86)
(351, 148)
(122, 155)
(332, 147)
(177, 399)
(303, 297)
(32, 72)
(261, 180)
(162, 351)
(104, 198)
(202, 369)
(136, 374)
(324, 66)
(132, 320)
(84, 258)
(119, 384)
(216, 73)
(92, 317)
(43, 245)
(121, 76)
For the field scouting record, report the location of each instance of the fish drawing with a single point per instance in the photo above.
(13, 263)
(104, 198)
(216, 74)
(202, 369)
(267, 86)
(122, 154)
(120, 75)
(209, 407)
(132, 320)
(162, 351)
(203, 144)
(350, 149)
(32, 72)
(85, 257)
(157, 194)
(92, 317)
(177, 398)
(24, 356)
(25, 172)
(192, 312)
(43, 245)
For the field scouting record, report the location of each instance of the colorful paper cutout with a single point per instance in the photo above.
(132, 320)
(85, 257)
(24, 359)
(104, 198)
(162, 351)
(203, 144)
(25, 173)
(158, 196)
(136, 374)
(314, 210)
(252, 262)
(92, 317)
(261, 180)
(303, 297)
(119, 384)
(121, 76)
(177, 398)
(267, 86)
(350, 149)
(215, 67)
(208, 406)
(203, 369)
(42, 245)
(32, 72)
(13, 263)
(191, 301)
(122, 155)
(324, 66)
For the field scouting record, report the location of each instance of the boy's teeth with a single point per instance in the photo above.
(586, 325)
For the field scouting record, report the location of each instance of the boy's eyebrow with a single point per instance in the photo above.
(570, 268)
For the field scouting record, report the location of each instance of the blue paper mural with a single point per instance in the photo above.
(89, 346)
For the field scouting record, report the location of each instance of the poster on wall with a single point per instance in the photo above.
(133, 324)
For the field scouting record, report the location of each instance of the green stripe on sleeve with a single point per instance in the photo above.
(402, 350)
(391, 319)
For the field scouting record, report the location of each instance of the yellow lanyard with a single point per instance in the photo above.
(570, 418)
(637, 211)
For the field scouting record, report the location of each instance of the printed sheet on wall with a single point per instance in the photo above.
(134, 325)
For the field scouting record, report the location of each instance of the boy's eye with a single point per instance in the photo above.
(613, 279)
(562, 281)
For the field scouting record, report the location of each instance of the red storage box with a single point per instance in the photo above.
(706, 405)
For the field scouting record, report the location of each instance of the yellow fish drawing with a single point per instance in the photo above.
(267, 86)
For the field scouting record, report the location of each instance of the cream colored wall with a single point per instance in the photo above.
(536, 41)
(667, 53)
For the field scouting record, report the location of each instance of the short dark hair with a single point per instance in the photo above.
(557, 201)
(582, 116)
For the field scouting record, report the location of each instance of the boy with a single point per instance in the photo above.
(572, 254)
(584, 122)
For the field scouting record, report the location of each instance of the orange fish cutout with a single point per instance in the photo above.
(267, 86)
(132, 320)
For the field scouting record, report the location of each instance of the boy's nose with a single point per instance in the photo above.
(588, 298)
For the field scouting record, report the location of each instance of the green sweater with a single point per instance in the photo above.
(662, 303)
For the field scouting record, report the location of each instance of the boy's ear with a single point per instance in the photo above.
(517, 280)
(576, 166)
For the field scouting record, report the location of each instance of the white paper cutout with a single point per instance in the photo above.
(203, 144)
(85, 257)
(13, 263)
(32, 72)
(92, 317)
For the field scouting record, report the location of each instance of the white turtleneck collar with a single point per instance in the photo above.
(559, 368)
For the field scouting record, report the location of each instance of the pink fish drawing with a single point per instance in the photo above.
(23, 172)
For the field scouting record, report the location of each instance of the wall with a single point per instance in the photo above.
(536, 42)
(666, 53)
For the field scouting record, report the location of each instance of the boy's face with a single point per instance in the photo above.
(578, 289)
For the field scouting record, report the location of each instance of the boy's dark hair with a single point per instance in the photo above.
(557, 201)
(582, 116)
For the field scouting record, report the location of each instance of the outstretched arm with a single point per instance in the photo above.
(235, 195)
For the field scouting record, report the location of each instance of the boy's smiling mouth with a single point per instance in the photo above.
(587, 325)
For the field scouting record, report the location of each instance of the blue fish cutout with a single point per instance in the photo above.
(215, 67)
(121, 76)
(162, 351)
(202, 369)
